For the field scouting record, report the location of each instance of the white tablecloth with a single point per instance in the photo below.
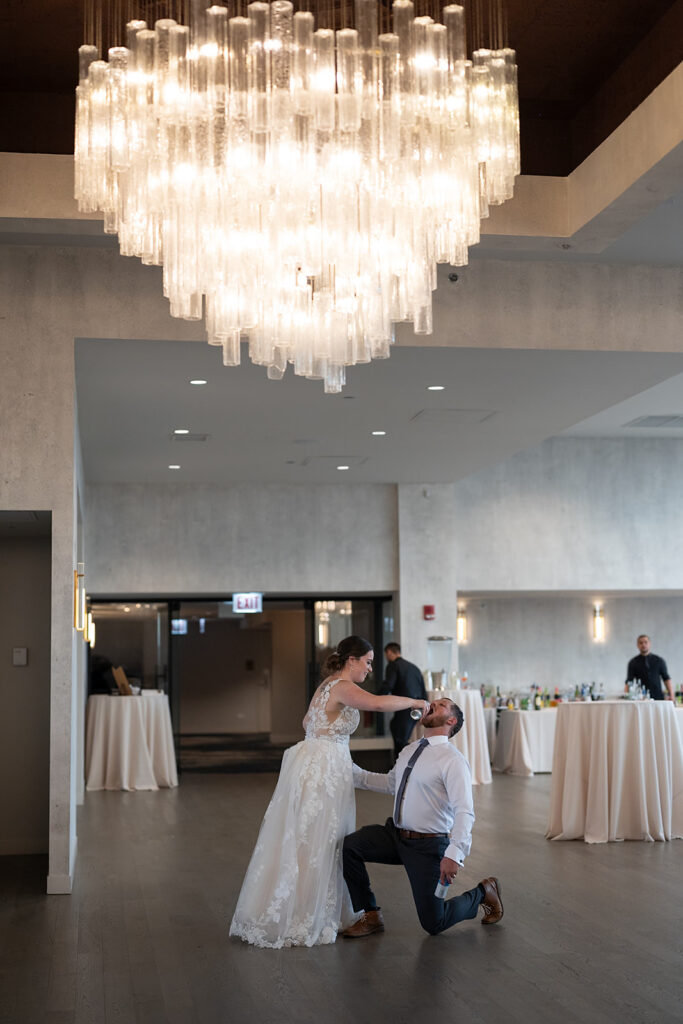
(490, 719)
(617, 772)
(471, 740)
(129, 743)
(524, 744)
(679, 719)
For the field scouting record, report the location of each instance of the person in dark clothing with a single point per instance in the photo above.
(403, 679)
(651, 670)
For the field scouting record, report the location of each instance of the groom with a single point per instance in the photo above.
(430, 832)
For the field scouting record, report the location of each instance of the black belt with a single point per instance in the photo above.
(406, 833)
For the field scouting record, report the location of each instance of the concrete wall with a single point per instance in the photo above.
(428, 567)
(24, 695)
(49, 296)
(287, 539)
(574, 514)
(547, 640)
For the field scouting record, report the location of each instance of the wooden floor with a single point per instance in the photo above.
(591, 934)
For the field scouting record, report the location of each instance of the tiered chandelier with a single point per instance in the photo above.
(299, 184)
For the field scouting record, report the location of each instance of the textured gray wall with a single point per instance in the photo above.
(428, 568)
(49, 296)
(547, 640)
(287, 539)
(574, 514)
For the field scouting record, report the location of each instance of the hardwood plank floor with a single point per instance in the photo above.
(591, 934)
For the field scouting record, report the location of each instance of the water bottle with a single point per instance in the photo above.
(441, 889)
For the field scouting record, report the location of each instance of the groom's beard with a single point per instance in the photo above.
(434, 719)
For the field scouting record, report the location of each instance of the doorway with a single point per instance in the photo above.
(25, 613)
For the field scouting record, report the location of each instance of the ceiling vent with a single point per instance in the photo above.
(453, 417)
(190, 437)
(335, 460)
(670, 421)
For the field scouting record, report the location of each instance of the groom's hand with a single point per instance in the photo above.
(449, 869)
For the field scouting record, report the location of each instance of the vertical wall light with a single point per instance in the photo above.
(89, 630)
(79, 597)
(598, 624)
(461, 626)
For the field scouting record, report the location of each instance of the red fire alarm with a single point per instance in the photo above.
(428, 611)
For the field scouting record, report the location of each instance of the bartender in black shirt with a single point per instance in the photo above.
(651, 670)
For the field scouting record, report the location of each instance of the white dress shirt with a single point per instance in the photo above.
(437, 797)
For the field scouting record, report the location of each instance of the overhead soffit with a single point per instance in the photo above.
(583, 67)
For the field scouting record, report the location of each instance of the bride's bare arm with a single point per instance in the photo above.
(347, 693)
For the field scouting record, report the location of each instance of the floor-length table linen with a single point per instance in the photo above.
(471, 740)
(617, 772)
(524, 744)
(491, 723)
(129, 743)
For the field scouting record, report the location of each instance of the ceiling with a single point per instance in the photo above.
(643, 415)
(132, 395)
(583, 67)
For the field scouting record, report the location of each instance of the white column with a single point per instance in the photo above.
(426, 567)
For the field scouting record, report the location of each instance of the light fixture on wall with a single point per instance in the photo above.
(598, 623)
(461, 627)
(89, 631)
(299, 184)
(79, 597)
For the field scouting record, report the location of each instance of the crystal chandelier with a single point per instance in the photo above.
(298, 184)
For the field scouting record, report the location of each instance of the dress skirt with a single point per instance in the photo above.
(294, 893)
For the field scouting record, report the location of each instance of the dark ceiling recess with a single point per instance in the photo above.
(584, 65)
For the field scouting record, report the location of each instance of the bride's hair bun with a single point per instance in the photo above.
(350, 647)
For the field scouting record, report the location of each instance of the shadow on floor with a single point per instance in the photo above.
(226, 753)
(230, 752)
(23, 876)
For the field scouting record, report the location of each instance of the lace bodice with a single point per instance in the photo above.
(318, 724)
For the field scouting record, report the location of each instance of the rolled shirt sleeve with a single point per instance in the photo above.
(378, 782)
(458, 782)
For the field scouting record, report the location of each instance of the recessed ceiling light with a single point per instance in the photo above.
(342, 467)
(197, 382)
(379, 433)
(126, 609)
(181, 430)
(174, 467)
(436, 387)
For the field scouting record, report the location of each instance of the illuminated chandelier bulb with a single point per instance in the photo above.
(298, 185)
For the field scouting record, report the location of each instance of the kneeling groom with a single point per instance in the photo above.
(430, 832)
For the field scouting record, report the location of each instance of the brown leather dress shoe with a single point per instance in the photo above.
(371, 922)
(492, 903)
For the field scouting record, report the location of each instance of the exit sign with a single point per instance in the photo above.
(247, 602)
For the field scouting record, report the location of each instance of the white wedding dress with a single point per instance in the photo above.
(293, 893)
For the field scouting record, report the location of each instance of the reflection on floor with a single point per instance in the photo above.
(253, 752)
(230, 752)
(591, 934)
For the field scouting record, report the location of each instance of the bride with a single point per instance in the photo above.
(293, 893)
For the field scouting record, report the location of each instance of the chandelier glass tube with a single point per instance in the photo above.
(298, 184)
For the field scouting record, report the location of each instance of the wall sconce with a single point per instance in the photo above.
(461, 626)
(89, 631)
(79, 597)
(598, 624)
